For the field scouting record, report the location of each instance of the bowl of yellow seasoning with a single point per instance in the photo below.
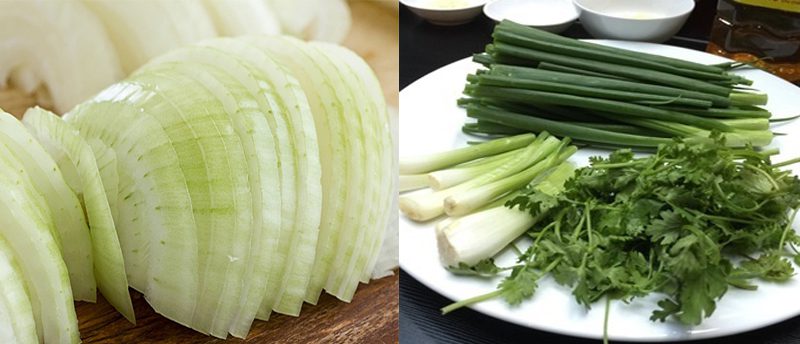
(634, 20)
(446, 12)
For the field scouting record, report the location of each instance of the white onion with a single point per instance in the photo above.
(71, 231)
(109, 268)
(242, 17)
(58, 49)
(141, 30)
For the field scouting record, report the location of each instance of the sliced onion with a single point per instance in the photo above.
(261, 152)
(242, 17)
(107, 163)
(156, 225)
(55, 48)
(141, 30)
(71, 232)
(250, 174)
(331, 23)
(359, 256)
(295, 15)
(26, 225)
(300, 222)
(16, 314)
(108, 263)
(389, 256)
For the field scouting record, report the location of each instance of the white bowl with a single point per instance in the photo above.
(550, 15)
(446, 12)
(634, 20)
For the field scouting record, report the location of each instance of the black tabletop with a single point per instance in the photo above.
(423, 49)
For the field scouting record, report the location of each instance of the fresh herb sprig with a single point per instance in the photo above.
(688, 222)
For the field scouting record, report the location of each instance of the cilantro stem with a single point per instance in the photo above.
(470, 301)
(605, 320)
(539, 238)
(786, 229)
(714, 217)
(787, 162)
(578, 228)
(589, 222)
(616, 165)
(551, 266)
(766, 153)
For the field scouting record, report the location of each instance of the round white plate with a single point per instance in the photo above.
(430, 121)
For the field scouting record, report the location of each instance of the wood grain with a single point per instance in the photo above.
(375, 36)
(372, 317)
(15, 101)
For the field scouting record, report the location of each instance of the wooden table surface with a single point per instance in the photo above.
(372, 317)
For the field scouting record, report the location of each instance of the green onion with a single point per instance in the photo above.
(572, 70)
(587, 91)
(748, 98)
(468, 201)
(444, 179)
(531, 32)
(747, 123)
(611, 106)
(507, 36)
(736, 138)
(562, 129)
(605, 96)
(603, 82)
(424, 205)
(481, 235)
(646, 75)
(410, 182)
(482, 58)
(732, 112)
(492, 129)
(435, 161)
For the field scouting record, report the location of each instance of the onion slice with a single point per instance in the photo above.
(27, 227)
(242, 17)
(107, 163)
(71, 231)
(156, 224)
(56, 48)
(141, 30)
(16, 313)
(331, 23)
(358, 257)
(109, 267)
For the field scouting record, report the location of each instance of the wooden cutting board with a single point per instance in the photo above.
(372, 316)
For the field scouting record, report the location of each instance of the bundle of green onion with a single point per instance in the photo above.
(537, 81)
(472, 184)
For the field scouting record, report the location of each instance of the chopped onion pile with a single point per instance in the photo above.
(225, 180)
(66, 51)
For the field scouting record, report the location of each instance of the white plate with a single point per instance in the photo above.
(430, 121)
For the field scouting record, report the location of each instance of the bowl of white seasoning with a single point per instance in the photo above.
(446, 12)
(634, 20)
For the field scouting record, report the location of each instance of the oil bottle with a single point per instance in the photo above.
(764, 32)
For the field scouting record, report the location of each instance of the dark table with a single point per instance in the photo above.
(423, 49)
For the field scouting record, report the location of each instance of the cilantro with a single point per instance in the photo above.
(677, 222)
(484, 268)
